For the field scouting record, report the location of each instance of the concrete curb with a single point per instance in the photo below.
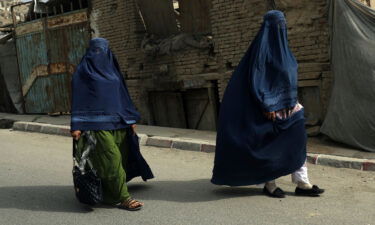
(201, 146)
(42, 128)
(179, 143)
(56, 130)
(341, 162)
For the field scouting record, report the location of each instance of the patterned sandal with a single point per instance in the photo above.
(131, 205)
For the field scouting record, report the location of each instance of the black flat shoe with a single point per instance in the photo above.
(277, 193)
(315, 191)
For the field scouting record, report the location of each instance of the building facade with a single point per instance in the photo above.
(198, 45)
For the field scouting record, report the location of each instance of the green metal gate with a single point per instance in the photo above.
(48, 50)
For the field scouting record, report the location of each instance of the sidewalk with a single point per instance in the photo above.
(320, 150)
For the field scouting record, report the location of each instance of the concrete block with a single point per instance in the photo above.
(21, 126)
(209, 148)
(34, 127)
(159, 142)
(65, 131)
(340, 162)
(48, 129)
(55, 130)
(142, 139)
(369, 165)
(186, 145)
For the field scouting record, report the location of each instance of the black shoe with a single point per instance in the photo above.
(277, 193)
(315, 191)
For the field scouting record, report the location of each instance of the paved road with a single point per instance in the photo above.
(36, 188)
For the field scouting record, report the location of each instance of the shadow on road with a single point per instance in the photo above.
(41, 198)
(188, 191)
(62, 198)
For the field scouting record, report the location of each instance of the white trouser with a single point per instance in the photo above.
(301, 175)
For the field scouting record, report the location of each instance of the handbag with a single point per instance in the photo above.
(87, 185)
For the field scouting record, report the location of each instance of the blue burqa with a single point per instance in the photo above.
(101, 101)
(251, 149)
(100, 98)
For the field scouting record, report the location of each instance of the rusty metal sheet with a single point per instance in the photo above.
(47, 60)
(64, 20)
(27, 28)
(195, 16)
(66, 45)
(46, 70)
(31, 51)
(158, 16)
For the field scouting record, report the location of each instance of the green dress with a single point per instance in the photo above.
(109, 158)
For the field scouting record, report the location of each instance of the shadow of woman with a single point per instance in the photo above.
(188, 191)
(62, 198)
(41, 198)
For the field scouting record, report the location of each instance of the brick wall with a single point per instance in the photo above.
(234, 24)
(120, 23)
(308, 31)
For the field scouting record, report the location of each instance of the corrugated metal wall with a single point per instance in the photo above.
(48, 50)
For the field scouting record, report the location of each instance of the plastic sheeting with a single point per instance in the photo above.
(38, 7)
(350, 118)
(157, 47)
(10, 74)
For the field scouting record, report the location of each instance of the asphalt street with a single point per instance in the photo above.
(36, 189)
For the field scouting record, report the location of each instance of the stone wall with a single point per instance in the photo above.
(233, 26)
(5, 12)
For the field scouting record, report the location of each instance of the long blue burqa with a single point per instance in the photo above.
(101, 101)
(100, 97)
(251, 149)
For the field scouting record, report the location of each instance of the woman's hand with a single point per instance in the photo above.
(270, 115)
(76, 134)
(133, 126)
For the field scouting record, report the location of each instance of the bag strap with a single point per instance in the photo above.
(75, 143)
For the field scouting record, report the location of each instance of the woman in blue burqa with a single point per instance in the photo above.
(103, 115)
(261, 134)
